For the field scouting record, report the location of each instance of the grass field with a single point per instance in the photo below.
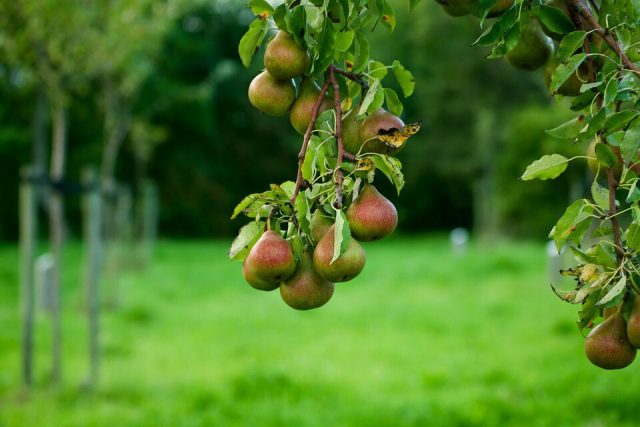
(421, 338)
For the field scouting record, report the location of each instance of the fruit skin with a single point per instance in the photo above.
(351, 133)
(633, 324)
(371, 216)
(380, 120)
(284, 58)
(473, 6)
(306, 289)
(453, 7)
(533, 50)
(571, 87)
(343, 269)
(302, 109)
(271, 96)
(269, 262)
(320, 224)
(607, 345)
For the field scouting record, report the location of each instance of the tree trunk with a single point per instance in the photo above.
(56, 232)
(485, 213)
(40, 140)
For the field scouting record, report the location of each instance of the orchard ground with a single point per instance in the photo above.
(422, 337)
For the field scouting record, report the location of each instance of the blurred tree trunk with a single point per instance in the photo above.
(485, 212)
(40, 140)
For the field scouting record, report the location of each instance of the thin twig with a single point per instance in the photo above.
(307, 137)
(338, 173)
(358, 78)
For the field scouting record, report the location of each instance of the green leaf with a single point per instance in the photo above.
(615, 291)
(568, 130)
(374, 96)
(413, 4)
(393, 102)
(388, 16)
(361, 52)
(390, 167)
(342, 236)
(611, 91)
(251, 41)
(633, 236)
(247, 237)
(325, 48)
(259, 7)
(605, 155)
(377, 70)
(570, 43)
(344, 40)
(405, 78)
(555, 20)
(502, 25)
(600, 195)
(565, 70)
(631, 142)
(573, 223)
(546, 167)
(617, 121)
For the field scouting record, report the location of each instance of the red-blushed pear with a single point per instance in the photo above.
(270, 261)
(607, 345)
(351, 133)
(302, 108)
(534, 48)
(371, 216)
(320, 224)
(306, 289)
(346, 267)
(284, 58)
(270, 95)
(378, 123)
(633, 324)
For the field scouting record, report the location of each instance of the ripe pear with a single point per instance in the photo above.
(497, 9)
(271, 96)
(633, 324)
(302, 108)
(371, 216)
(269, 262)
(607, 345)
(346, 267)
(376, 124)
(533, 50)
(306, 289)
(351, 133)
(284, 58)
(571, 87)
(320, 224)
(453, 8)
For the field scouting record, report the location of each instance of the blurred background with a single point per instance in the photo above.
(152, 96)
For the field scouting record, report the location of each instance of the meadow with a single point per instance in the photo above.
(423, 337)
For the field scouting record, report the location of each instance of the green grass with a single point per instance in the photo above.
(421, 338)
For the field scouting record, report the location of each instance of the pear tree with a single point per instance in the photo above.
(319, 72)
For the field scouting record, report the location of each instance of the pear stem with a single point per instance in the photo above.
(583, 12)
(338, 173)
(307, 137)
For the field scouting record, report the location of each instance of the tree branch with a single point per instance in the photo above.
(358, 78)
(307, 137)
(338, 173)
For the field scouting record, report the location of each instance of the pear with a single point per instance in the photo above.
(633, 324)
(376, 124)
(284, 58)
(571, 87)
(473, 6)
(351, 133)
(607, 345)
(371, 216)
(270, 261)
(453, 7)
(320, 224)
(533, 50)
(346, 267)
(271, 96)
(306, 289)
(302, 108)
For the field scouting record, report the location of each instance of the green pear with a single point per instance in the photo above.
(271, 96)
(376, 124)
(533, 50)
(302, 108)
(284, 58)
(270, 261)
(371, 216)
(346, 267)
(320, 224)
(453, 8)
(633, 324)
(607, 345)
(571, 87)
(306, 289)
(351, 133)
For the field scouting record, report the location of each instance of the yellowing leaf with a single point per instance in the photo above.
(365, 164)
(396, 138)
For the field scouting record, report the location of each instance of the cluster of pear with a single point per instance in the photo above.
(309, 282)
(613, 343)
